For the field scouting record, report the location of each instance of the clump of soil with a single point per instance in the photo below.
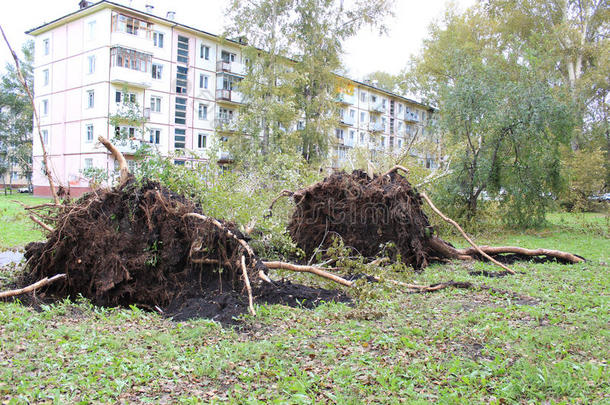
(367, 213)
(136, 245)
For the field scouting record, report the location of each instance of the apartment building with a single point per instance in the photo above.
(93, 64)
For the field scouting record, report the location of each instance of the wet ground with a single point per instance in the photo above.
(10, 257)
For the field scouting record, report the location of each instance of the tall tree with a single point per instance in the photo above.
(306, 36)
(16, 116)
(501, 120)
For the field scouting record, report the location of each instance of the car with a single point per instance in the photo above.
(24, 189)
(600, 198)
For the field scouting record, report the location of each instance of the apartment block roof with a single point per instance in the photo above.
(106, 4)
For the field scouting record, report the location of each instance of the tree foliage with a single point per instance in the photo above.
(16, 117)
(295, 49)
(503, 123)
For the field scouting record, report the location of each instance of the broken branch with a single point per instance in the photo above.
(32, 287)
(123, 168)
(248, 287)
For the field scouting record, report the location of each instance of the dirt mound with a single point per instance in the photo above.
(366, 213)
(137, 245)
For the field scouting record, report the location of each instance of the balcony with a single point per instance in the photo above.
(225, 123)
(141, 42)
(345, 98)
(229, 96)
(411, 116)
(378, 107)
(128, 77)
(376, 127)
(347, 120)
(224, 157)
(230, 67)
(128, 146)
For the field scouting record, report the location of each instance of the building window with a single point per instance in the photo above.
(155, 136)
(125, 97)
(180, 111)
(339, 133)
(227, 56)
(204, 52)
(363, 96)
(181, 80)
(179, 138)
(351, 135)
(157, 71)
(130, 25)
(45, 136)
(89, 137)
(183, 49)
(45, 108)
(46, 46)
(373, 98)
(155, 104)
(362, 116)
(352, 113)
(158, 38)
(91, 28)
(45, 77)
(130, 59)
(400, 143)
(203, 112)
(90, 98)
(88, 163)
(203, 81)
(202, 141)
(91, 64)
(361, 137)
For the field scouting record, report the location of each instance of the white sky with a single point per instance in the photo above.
(365, 53)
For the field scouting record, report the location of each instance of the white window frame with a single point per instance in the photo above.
(158, 39)
(45, 77)
(202, 112)
(154, 136)
(157, 71)
(201, 136)
(88, 163)
(91, 64)
(91, 26)
(46, 46)
(204, 52)
(155, 104)
(45, 136)
(90, 99)
(89, 133)
(44, 107)
(204, 81)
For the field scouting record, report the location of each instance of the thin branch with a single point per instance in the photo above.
(25, 85)
(32, 287)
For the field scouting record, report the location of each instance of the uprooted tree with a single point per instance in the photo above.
(368, 213)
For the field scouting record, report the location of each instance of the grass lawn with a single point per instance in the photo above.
(546, 340)
(16, 229)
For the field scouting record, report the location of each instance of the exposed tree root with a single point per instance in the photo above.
(369, 213)
(496, 250)
(42, 224)
(464, 234)
(118, 156)
(308, 269)
(248, 287)
(45, 281)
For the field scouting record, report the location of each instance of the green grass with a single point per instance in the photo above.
(16, 229)
(547, 341)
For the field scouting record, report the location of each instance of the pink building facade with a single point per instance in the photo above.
(88, 64)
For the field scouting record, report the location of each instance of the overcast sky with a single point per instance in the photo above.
(365, 53)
